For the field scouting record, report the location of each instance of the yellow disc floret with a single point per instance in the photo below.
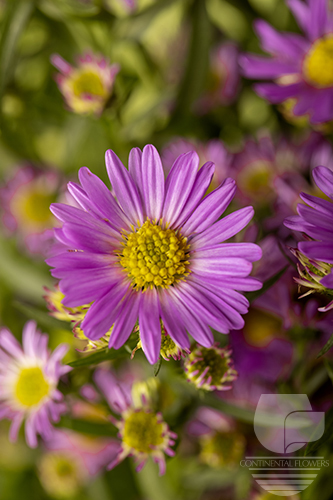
(143, 431)
(153, 256)
(88, 82)
(318, 63)
(31, 386)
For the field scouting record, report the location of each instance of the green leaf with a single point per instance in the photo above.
(41, 317)
(313, 446)
(157, 367)
(99, 357)
(88, 427)
(326, 347)
(17, 15)
(251, 296)
(329, 369)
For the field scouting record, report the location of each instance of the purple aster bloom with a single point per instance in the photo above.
(315, 220)
(154, 254)
(300, 66)
(142, 431)
(28, 383)
(24, 200)
(224, 77)
(87, 87)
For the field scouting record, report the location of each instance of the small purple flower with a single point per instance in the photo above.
(300, 66)
(25, 199)
(224, 78)
(142, 431)
(87, 87)
(315, 220)
(154, 254)
(28, 383)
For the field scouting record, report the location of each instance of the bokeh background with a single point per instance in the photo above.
(171, 91)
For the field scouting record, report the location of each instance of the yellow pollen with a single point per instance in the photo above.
(88, 82)
(318, 63)
(31, 386)
(154, 257)
(142, 431)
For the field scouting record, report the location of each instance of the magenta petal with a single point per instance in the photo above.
(126, 320)
(210, 209)
(150, 326)
(327, 280)
(323, 177)
(278, 93)
(172, 319)
(265, 67)
(179, 184)
(152, 182)
(135, 169)
(301, 13)
(200, 186)
(317, 250)
(287, 45)
(103, 313)
(223, 229)
(124, 187)
(103, 199)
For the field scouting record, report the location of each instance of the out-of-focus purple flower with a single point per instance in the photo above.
(72, 459)
(210, 369)
(28, 383)
(86, 87)
(213, 151)
(154, 254)
(143, 432)
(221, 445)
(300, 66)
(25, 203)
(315, 220)
(224, 78)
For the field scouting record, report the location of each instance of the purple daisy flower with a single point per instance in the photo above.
(301, 66)
(87, 87)
(28, 383)
(142, 431)
(315, 220)
(154, 254)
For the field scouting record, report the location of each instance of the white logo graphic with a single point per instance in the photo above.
(284, 423)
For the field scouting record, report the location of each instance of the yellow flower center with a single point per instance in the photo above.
(142, 431)
(31, 386)
(88, 82)
(256, 179)
(318, 63)
(153, 256)
(31, 207)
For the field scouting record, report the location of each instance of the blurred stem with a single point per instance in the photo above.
(197, 62)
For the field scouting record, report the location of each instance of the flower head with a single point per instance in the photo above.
(224, 77)
(28, 383)
(71, 460)
(210, 368)
(300, 66)
(142, 431)
(315, 220)
(25, 200)
(87, 87)
(154, 254)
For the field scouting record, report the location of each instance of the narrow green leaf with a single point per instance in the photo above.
(313, 446)
(17, 15)
(99, 357)
(88, 427)
(157, 367)
(329, 369)
(326, 347)
(251, 296)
